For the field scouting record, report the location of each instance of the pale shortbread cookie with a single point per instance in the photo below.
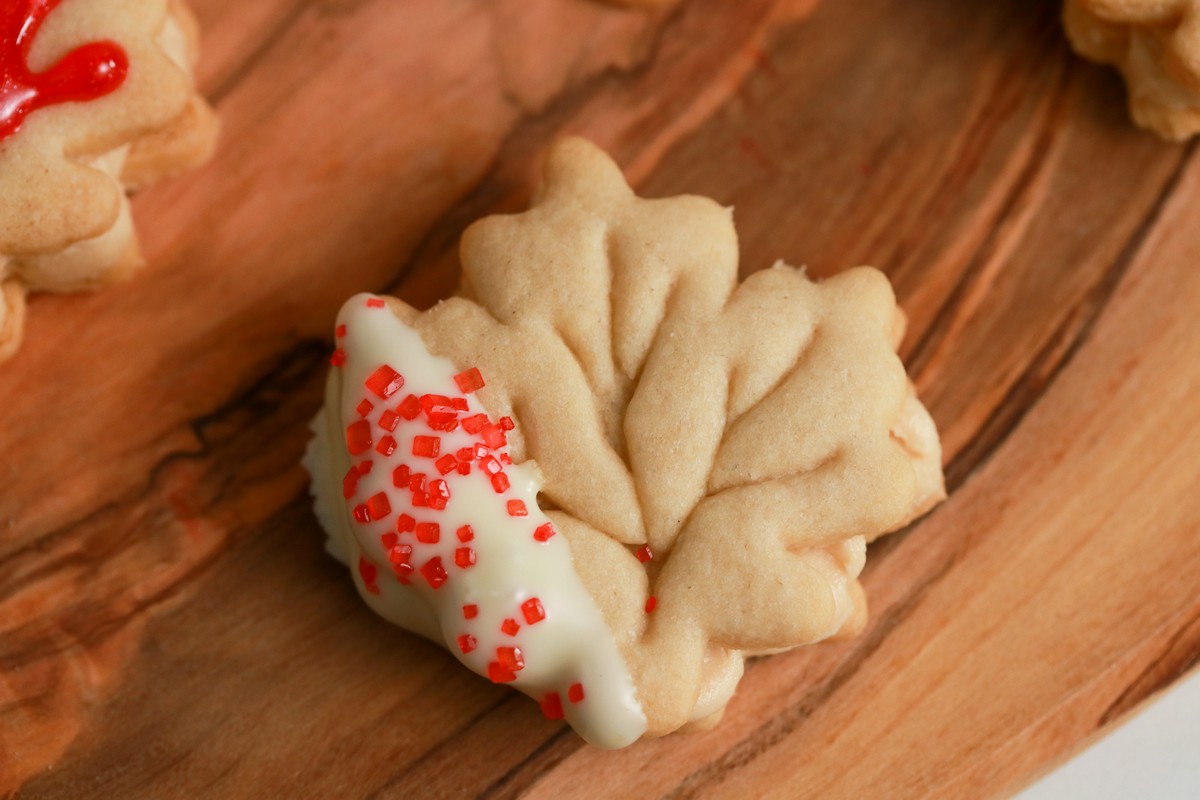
(66, 164)
(716, 455)
(1156, 46)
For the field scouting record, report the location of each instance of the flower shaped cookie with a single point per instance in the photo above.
(96, 98)
(679, 469)
(1156, 46)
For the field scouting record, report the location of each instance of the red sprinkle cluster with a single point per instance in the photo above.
(368, 572)
(552, 707)
(441, 415)
(424, 479)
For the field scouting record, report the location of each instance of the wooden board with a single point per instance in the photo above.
(169, 626)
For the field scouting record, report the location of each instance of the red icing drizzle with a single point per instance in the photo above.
(86, 73)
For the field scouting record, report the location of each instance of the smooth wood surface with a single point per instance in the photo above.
(169, 626)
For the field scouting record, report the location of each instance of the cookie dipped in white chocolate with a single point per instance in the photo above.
(413, 483)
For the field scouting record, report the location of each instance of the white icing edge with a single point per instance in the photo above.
(572, 644)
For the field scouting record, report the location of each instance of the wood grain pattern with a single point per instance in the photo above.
(168, 623)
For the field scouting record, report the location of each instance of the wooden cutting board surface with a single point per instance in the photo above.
(169, 625)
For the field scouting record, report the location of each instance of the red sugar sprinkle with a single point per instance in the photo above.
(510, 658)
(464, 557)
(644, 553)
(435, 502)
(364, 407)
(464, 454)
(464, 468)
(475, 423)
(506, 423)
(516, 508)
(403, 572)
(479, 450)
(379, 506)
(339, 331)
(388, 420)
(362, 513)
(470, 611)
(400, 476)
(338, 358)
(469, 381)
(544, 532)
(510, 626)
(490, 465)
(365, 466)
(466, 533)
(434, 573)
(446, 464)
(459, 403)
(500, 483)
(350, 483)
(389, 540)
(374, 302)
(493, 436)
(419, 500)
(416, 482)
(385, 382)
(436, 403)
(386, 446)
(429, 532)
(358, 437)
(533, 611)
(466, 643)
(651, 604)
(439, 488)
(552, 706)
(505, 458)
(443, 422)
(498, 674)
(426, 446)
(409, 408)
(368, 572)
(400, 554)
(575, 693)
(405, 523)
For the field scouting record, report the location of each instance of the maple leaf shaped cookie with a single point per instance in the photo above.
(1156, 46)
(96, 98)
(714, 455)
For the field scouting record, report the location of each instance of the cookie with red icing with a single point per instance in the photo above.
(97, 98)
(606, 472)
(1156, 46)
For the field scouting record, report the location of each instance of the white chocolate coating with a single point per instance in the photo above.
(570, 645)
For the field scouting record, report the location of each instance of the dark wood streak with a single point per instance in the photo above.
(292, 369)
(261, 400)
(250, 60)
(1060, 349)
(1179, 656)
(404, 773)
(1003, 99)
(1035, 165)
(557, 747)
